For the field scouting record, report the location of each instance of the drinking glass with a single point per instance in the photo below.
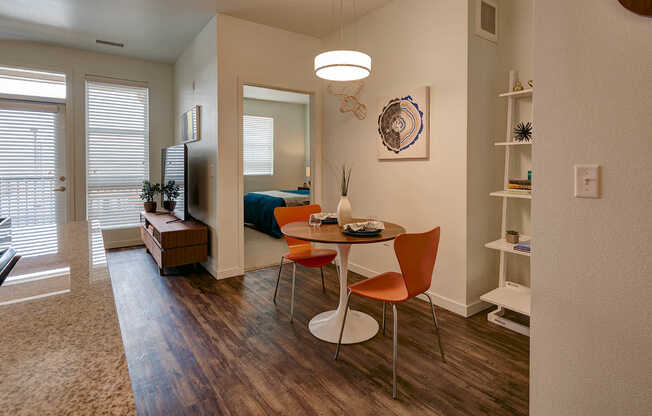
(314, 222)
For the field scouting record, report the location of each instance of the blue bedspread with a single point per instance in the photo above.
(259, 211)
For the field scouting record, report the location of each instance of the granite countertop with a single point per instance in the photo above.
(61, 349)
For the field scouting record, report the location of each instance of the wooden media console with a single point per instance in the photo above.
(173, 243)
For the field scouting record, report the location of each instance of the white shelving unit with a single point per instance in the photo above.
(509, 295)
(512, 194)
(512, 143)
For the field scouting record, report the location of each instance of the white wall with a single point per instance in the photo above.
(417, 194)
(195, 83)
(591, 344)
(290, 132)
(254, 54)
(515, 51)
(484, 166)
(76, 64)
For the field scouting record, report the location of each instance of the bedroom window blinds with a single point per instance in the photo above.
(117, 151)
(258, 145)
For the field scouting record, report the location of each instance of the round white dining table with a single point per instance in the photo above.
(326, 325)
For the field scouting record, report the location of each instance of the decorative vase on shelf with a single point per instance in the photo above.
(344, 215)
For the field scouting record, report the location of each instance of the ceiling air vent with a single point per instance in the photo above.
(486, 19)
(106, 42)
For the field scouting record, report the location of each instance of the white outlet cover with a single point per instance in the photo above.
(587, 181)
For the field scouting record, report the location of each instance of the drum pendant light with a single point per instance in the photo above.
(342, 65)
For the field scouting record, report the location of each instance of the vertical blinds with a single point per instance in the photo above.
(117, 146)
(29, 163)
(258, 145)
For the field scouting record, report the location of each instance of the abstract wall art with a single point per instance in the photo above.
(404, 126)
(348, 94)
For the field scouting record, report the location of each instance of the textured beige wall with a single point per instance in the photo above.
(195, 83)
(591, 344)
(484, 166)
(254, 54)
(290, 132)
(419, 194)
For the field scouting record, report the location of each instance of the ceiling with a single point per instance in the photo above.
(160, 29)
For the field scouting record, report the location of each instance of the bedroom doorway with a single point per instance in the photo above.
(276, 167)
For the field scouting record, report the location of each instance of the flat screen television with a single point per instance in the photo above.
(174, 167)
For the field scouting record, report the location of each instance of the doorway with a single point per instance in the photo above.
(32, 174)
(276, 167)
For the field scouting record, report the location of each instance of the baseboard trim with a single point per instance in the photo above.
(210, 267)
(122, 243)
(232, 272)
(451, 305)
(477, 307)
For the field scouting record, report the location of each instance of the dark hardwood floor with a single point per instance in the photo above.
(196, 345)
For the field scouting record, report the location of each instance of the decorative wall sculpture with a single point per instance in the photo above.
(349, 101)
(404, 126)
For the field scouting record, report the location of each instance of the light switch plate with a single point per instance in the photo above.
(587, 181)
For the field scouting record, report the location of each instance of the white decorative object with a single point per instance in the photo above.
(344, 213)
(404, 125)
(486, 19)
(342, 65)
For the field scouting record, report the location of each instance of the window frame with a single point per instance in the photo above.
(146, 132)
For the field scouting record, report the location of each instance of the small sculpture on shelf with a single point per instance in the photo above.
(523, 132)
(530, 83)
(517, 86)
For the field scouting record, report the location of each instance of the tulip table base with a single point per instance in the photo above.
(359, 326)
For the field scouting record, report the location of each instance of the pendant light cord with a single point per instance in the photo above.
(341, 21)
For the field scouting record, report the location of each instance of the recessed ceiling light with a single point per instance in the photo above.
(106, 42)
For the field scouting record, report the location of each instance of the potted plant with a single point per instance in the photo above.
(147, 194)
(171, 192)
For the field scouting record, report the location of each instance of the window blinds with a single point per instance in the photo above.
(117, 151)
(258, 145)
(29, 163)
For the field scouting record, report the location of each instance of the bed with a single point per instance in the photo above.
(259, 208)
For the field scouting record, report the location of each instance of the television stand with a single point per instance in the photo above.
(172, 242)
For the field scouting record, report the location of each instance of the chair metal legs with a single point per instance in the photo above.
(395, 315)
(384, 308)
(278, 279)
(294, 273)
(346, 310)
(434, 318)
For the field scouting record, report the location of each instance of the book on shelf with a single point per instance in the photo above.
(519, 191)
(525, 247)
(519, 184)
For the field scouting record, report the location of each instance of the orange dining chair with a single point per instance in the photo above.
(416, 254)
(301, 251)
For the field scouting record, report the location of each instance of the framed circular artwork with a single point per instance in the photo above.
(403, 126)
